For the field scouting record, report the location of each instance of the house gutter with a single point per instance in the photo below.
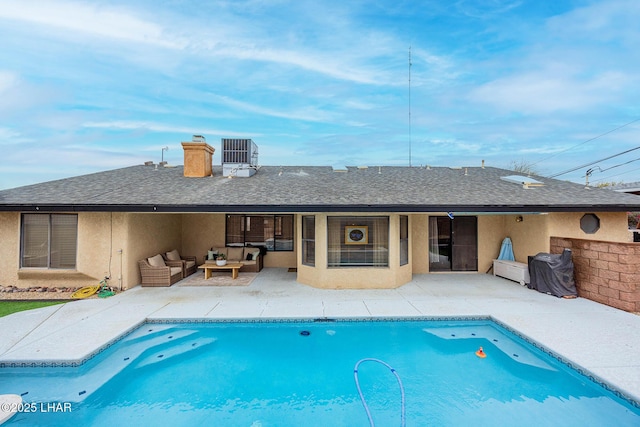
(460, 209)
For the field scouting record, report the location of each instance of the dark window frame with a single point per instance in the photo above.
(57, 248)
(309, 240)
(280, 229)
(404, 239)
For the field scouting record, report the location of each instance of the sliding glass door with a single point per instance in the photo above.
(453, 243)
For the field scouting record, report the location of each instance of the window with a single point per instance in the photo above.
(49, 241)
(309, 240)
(275, 232)
(404, 240)
(358, 241)
(590, 223)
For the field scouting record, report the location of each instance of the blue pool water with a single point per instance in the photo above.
(302, 374)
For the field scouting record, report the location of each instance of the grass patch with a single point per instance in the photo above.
(9, 307)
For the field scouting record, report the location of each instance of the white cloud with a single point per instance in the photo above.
(90, 19)
(539, 92)
(485, 8)
(18, 94)
(333, 66)
(8, 80)
(161, 127)
(605, 20)
(579, 61)
(305, 113)
(232, 36)
(8, 135)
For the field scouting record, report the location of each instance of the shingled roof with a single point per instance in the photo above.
(312, 189)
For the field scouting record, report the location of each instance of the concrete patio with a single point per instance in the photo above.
(599, 339)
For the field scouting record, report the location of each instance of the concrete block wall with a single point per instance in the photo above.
(605, 272)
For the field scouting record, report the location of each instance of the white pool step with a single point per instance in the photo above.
(141, 348)
(495, 338)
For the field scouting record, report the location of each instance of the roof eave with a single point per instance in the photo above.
(150, 208)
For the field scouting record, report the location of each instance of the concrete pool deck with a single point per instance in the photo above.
(597, 338)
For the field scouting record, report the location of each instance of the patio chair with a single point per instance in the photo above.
(186, 262)
(154, 272)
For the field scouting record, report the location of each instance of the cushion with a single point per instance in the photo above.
(254, 252)
(235, 254)
(222, 251)
(176, 270)
(156, 261)
(212, 254)
(190, 264)
(174, 255)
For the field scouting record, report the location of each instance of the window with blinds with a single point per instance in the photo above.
(357, 241)
(49, 241)
(309, 240)
(404, 240)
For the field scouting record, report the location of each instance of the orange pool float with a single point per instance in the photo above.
(480, 353)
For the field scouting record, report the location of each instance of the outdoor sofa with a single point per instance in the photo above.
(186, 262)
(250, 257)
(155, 272)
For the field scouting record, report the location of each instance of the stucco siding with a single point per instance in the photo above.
(613, 226)
(491, 233)
(355, 277)
(95, 234)
(201, 232)
(419, 243)
(10, 254)
(529, 236)
(148, 235)
(112, 244)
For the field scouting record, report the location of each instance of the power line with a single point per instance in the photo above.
(584, 142)
(591, 163)
(620, 164)
(590, 171)
(613, 176)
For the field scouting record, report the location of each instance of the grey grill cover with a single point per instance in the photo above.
(553, 274)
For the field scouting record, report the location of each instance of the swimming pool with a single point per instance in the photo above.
(302, 373)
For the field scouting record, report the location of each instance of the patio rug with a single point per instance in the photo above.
(218, 278)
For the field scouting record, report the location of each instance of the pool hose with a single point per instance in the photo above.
(364, 402)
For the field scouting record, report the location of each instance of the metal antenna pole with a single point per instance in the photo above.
(410, 106)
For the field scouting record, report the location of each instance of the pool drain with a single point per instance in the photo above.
(305, 333)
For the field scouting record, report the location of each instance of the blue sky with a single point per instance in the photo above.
(87, 86)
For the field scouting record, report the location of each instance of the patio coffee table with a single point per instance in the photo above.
(233, 266)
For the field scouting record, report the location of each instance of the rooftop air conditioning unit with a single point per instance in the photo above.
(239, 157)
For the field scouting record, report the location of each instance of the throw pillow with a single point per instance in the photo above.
(174, 255)
(212, 254)
(249, 256)
(156, 261)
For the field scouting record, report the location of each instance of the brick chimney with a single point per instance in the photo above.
(197, 157)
